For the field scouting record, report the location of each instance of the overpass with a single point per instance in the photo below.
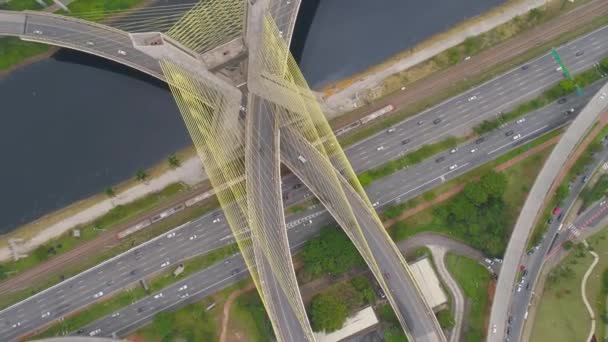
(207, 58)
(530, 212)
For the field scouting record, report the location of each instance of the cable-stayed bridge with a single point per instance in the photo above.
(248, 109)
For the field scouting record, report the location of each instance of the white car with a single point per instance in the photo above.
(494, 329)
(192, 237)
(122, 52)
(522, 120)
(517, 136)
(37, 32)
(391, 130)
(90, 43)
(216, 220)
(474, 150)
(98, 294)
(184, 296)
(380, 148)
(170, 235)
(158, 295)
(519, 288)
(18, 324)
(185, 287)
(45, 315)
(165, 264)
(602, 202)
(94, 332)
(375, 204)
(116, 314)
(452, 167)
(453, 150)
(488, 261)
(472, 98)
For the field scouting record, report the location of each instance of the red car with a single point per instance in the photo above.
(556, 211)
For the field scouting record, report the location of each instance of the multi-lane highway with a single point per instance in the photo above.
(558, 231)
(210, 231)
(455, 113)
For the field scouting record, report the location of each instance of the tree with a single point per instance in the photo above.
(41, 253)
(604, 64)
(463, 210)
(141, 175)
(494, 183)
(475, 193)
(567, 86)
(174, 161)
(110, 192)
(361, 284)
(327, 313)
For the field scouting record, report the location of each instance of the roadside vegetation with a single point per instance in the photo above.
(596, 192)
(408, 160)
(66, 242)
(129, 296)
(475, 281)
(390, 324)
(248, 316)
(561, 89)
(470, 82)
(329, 309)
(122, 246)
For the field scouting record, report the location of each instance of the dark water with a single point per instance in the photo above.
(72, 125)
(347, 36)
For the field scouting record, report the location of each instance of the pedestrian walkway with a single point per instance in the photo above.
(438, 253)
(596, 259)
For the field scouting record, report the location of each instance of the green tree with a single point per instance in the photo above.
(494, 183)
(475, 193)
(361, 284)
(141, 175)
(461, 209)
(567, 86)
(327, 313)
(173, 161)
(41, 253)
(110, 192)
(331, 252)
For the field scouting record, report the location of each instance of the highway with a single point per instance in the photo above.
(116, 274)
(552, 241)
(543, 187)
(210, 231)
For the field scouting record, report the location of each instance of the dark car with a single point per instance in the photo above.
(562, 100)
(510, 319)
(436, 121)
(405, 141)
(550, 220)
(420, 122)
(580, 53)
(559, 218)
(508, 133)
(585, 179)
(480, 140)
(297, 186)
(439, 160)
(525, 67)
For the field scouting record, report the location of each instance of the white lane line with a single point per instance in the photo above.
(513, 141)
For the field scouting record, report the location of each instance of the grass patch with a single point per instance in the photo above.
(20, 5)
(14, 51)
(390, 324)
(595, 193)
(250, 318)
(190, 323)
(83, 8)
(561, 314)
(408, 160)
(474, 280)
(68, 242)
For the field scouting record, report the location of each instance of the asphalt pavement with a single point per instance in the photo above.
(557, 233)
(117, 273)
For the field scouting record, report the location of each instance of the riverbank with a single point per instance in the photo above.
(54, 224)
(438, 53)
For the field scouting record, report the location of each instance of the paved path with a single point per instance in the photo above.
(190, 172)
(458, 309)
(596, 259)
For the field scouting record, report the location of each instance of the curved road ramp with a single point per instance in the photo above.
(533, 205)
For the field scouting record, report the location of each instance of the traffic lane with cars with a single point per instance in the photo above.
(210, 229)
(534, 259)
(480, 103)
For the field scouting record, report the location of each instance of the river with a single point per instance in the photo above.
(74, 124)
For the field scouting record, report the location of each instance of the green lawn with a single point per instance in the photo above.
(14, 51)
(190, 323)
(474, 280)
(249, 317)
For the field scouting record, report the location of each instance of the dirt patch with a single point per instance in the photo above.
(226, 334)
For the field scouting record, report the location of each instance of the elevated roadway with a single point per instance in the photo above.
(211, 232)
(533, 206)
